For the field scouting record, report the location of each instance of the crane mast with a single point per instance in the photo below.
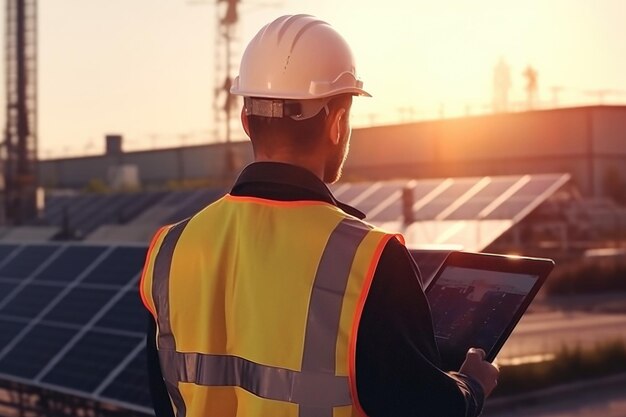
(19, 146)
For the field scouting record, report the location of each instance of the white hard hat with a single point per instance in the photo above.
(296, 59)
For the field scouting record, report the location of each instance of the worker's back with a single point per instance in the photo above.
(257, 302)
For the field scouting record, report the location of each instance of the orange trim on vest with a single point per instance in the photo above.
(153, 242)
(367, 283)
(276, 203)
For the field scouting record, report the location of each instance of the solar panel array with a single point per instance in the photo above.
(85, 213)
(468, 213)
(71, 320)
(70, 314)
(495, 198)
(439, 206)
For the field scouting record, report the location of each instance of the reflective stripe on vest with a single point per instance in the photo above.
(315, 388)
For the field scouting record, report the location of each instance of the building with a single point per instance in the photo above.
(589, 143)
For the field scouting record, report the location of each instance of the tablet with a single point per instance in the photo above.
(477, 299)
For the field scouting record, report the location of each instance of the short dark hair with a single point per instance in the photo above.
(300, 135)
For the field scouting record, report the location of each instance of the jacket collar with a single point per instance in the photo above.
(291, 176)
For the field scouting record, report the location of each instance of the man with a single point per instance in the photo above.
(277, 300)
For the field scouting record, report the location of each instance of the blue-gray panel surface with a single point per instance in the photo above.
(69, 264)
(25, 262)
(35, 350)
(30, 300)
(126, 314)
(79, 305)
(119, 267)
(131, 385)
(90, 360)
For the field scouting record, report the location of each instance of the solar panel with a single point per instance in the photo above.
(194, 204)
(381, 193)
(6, 288)
(8, 330)
(537, 185)
(30, 300)
(456, 189)
(390, 212)
(509, 209)
(119, 267)
(126, 314)
(5, 251)
(424, 188)
(86, 339)
(469, 210)
(70, 263)
(353, 191)
(140, 203)
(495, 187)
(34, 350)
(79, 305)
(90, 360)
(25, 262)
(504, 200)
(131, 385)
(431, 210)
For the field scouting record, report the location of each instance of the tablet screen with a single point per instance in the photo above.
(474, 308)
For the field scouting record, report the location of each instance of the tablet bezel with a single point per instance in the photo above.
(540, 267)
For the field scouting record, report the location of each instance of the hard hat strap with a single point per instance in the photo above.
(271, 107)
(267, 107)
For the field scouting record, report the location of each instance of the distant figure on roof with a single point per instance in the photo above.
(531, 87)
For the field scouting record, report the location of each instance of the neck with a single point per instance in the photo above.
(308, 162)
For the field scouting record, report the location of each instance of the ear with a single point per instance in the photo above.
(244, 121)
(337, 125)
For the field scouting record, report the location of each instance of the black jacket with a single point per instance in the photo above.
(397, 361)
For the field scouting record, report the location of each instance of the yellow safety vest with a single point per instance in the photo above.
(257, 304)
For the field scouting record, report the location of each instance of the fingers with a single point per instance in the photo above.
(477, 352)
(482, 371)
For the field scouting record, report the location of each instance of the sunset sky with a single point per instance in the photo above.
(144, 68)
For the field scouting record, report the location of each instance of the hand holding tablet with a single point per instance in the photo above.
(482, 371)
(477, 299)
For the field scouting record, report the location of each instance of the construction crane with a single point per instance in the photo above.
(225, 114)
(224, 103)
(18, 155)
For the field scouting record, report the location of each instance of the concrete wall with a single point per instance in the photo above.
(586, 142)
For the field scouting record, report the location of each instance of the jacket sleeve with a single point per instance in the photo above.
(397, 361)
